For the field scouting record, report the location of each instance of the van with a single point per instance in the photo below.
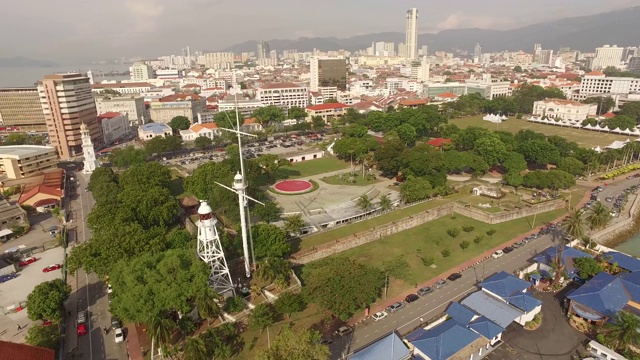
(82, 317)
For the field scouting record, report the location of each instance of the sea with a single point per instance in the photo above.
(631, 246)
(28, 76)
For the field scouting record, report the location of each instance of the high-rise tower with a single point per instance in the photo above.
(412, 34)
(210, 251)
(89, 153)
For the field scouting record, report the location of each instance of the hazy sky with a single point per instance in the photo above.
(64, 30)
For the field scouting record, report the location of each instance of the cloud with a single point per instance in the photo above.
(304, 33)
(461, 21)
(146, 15)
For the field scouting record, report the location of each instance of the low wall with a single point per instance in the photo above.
(409, 222)
(610, 232)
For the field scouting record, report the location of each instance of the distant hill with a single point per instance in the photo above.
(583, 33)
(20, 61)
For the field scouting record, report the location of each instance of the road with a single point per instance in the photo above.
(91, 292)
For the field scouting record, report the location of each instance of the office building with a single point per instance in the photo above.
(133, 106)
(218, 60)
(67, 103)
(477, 53)
(423, 50)
(122, 88)
(188, 105)
(21, 161)
(633, 66)
(20, 107)
(411, 39)
(115, 126)
(420, 70)
(597, 84)
(402, 50)
(607, 56)
(263, 50)
(328, 72)
(140, 71)
(285, 94)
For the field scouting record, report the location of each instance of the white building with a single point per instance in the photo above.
(88, 152)
(114, 126)
(411, 38)
(122, 87)
(168, 107)
(132, 106)
(140, 71)
(245, 106)
(151, 130)
(218, 60)
(287, 94)
(607, 56)
(168, 74)
(564, 109)
(209, 130)
(420, 70)
(596, 83)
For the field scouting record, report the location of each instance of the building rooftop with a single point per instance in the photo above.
(14, 351)
(460, 313)
(23, 151)
(443, 341)
(568, 254)
(495, 310)
(389, 347)
(604, 294)
(283, 85)
(504, 284)
(327, 106)
(121, 85)
(623, 260)
(157, 128)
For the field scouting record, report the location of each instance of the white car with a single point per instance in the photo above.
(119, 335)
(109, 289)
(497, 254)
(379, 315)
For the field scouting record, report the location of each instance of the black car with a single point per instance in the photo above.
(115, 323)
(454, 276)
(507, 249)
(425, 290)
(411, 298)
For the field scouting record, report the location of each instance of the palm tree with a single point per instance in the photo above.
(599, 216)
(293, 224)
(587, 242)
(364, 202)
(385, 202)
(622, 331)
(573, 224)
(206, 302)
(160, 329)
(194, 349)
(272, 268)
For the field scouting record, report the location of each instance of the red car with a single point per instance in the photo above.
(51, 268)
(82, 329)
(27, 261)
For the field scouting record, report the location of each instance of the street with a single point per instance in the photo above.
(90, 292)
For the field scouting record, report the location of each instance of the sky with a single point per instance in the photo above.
(74, 31)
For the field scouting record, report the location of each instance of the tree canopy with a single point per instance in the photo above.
(46, 300)
(269, 115)
(128, 156)
(301, 345)
(179, 123)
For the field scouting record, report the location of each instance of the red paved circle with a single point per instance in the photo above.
(293, 186)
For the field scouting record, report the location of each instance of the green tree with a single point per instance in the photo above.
(552, 179)
(297, 113)
(385, 202)
(270, 163)
(160, 329)
(202, 142)
(620, 121)
(46, 300)
(571, 165)
(206, 300)
(407, 134)
(514, 179)
(389, 157)
(415, 189)
(269, 212)
(330, 101)
(468, 228)
(517, 68)
(263, 315)
(289, 303)
(605, 103)
(129, 156)
(111, 92)
(587, 267)
(293, 224)
(272, 268)
(622, 332)
(227, 120)
(491, 232)
(631, 109)
(342, 285)
(453, 232)
(598, 216)
(573, 224)
(364, 203)
(146, 175)
(269, 115)
(464, 244)
(270, 241)
(16, 139)
(540, 152)
(318, 123)
(179, 123)
(157, 145)
(301, 345)
(397, 267)
(43, 336)
(445, 253)
(478, 239)
(195, 349)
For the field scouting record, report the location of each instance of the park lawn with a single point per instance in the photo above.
(311, 317)
(310, 167)
(359, 180)
(584, 138)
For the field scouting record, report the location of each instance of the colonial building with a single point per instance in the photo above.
(168, 107)
(326, 111)
(151, 130)
(114, 125)
(209, 130)
(564, 109)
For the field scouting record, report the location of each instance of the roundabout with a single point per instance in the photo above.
(291, 187)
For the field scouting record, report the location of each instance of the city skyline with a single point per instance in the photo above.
(145, 28)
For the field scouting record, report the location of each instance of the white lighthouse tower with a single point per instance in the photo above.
(88, 152)
(210, 251)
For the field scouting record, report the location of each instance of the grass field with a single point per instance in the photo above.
(584, 138)
(359, 180)
(311, 167)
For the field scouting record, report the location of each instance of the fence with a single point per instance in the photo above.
(409, 222)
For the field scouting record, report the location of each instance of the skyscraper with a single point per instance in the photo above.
(412, 34)
(263, 50)
(67, 103)
(327, 72)
(477, 53)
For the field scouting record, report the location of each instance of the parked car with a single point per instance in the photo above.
(507, 249)
(440, 283)
(82, 317)
(379, 315)
(497, 254)
(51, 268)
(608, 199)
(518, 244)
(425, 290)
(325, 341)
(82, 329)
(115, 323)
(6, 277)
(411, 298)
(454, 276)
(395, 307)
(119, 335)
(27, 261)
(343, 330)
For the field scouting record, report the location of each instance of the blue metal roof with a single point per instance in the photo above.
(525, 302)
(495, 310)
(548, 257)
(389, 347)
(157, 128)
(460, 313)
(442, 341)
(631, 282)
(485, 327)
(604, 293)
(623, 260)
(504, 284)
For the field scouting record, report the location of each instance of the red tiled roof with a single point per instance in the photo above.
(363, 105)
(447, 95)
(189, 86)
(413, 102)
(327, 106)
(315, 94)
(563, 102)
(595, 73)
(609, 115)
(180, 97)
(250, 121)
(14, 351)
(283, 85)
(51, 184)
(437, 142)
(109, 115)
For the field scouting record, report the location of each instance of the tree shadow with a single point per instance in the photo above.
(176, 186)
(285, 173)
(295, 243)
(39, 218)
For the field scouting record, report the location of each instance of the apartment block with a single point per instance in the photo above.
(20, 107)
(287, 94)
(168, 107)
(132, 106)
(21, 161)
